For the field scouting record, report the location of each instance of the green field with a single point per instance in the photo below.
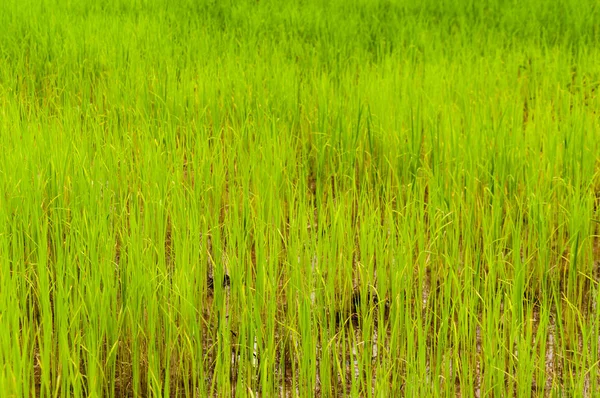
(367, 198)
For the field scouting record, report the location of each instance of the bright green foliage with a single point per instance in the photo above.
(404, 196)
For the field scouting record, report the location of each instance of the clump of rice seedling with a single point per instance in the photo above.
(344, 198)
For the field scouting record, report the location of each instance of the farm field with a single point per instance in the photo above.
(365, 198)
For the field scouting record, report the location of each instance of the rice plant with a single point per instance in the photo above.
(363, 198)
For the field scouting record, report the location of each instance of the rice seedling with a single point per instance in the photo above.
(317, 198)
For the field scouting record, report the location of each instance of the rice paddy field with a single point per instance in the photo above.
(366, 198)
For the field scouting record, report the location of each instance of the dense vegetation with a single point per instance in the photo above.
(299, 198)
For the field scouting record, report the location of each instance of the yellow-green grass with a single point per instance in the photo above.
(402, 196)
